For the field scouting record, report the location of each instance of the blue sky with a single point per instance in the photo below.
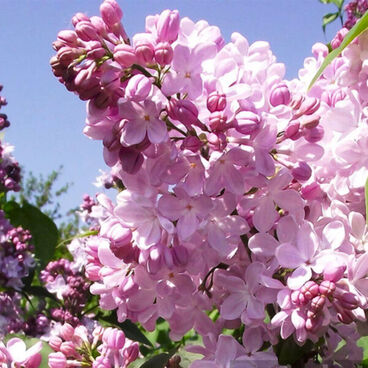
(47, 120)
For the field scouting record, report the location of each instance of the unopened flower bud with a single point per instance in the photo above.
(57, 360)
(131, 353)
(131, 160)
(33, 361)
(336, 96)
(144, 51)
(318, 303)
(191, 143)
(67, 331)
(301, 171)
(164, 53)
(216, 101)
(138, 88)
(125, 55)
(111, 12)
(79, 17)
(86, 31)
(314, 135)
(309, 289)
(217, 121)
(327, 287)
(68, 37)
(293, 130)
(308, 107)
(349, 301)
(55, 342)
(246, 122)
(168, 25)
(113, 338)
(345, 316)
(340, 35)
(184, 111)
(280, 94)
(68, 349)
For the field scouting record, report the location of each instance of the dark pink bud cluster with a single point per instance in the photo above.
(354, 11)
(60, 278)
(16, 258)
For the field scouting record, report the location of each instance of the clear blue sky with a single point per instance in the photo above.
(47, 120)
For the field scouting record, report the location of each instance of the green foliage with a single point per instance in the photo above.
(44, 232)
(330, 17)
(288, 352)
(359, 28)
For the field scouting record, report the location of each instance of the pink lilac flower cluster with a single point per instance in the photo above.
(16, 254)
(16, 354)
(101, 347)
(243, 191)
(69, 286)
(354, 10)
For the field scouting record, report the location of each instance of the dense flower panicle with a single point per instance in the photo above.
(241, 191)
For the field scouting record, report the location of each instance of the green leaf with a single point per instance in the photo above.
(363, 343)
(40, 292)
(187, 358)
(158, 361)
(328, 18)
(130, 329)
(288, 352)
(43, 230)
(359, 28)
(366, 201)
(338, 3)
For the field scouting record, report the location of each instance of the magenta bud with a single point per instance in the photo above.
(67, 331)
(57, 360)
(246, 122)
(145, 52)
(113, 338)
(184, 111)
(217, 140)
(318, 302)
(55, 342)
(280, 94)
(68, 349)
(308, 107)
(309, 324)
(349, 301)
(68, 37)
(79, 17)
(86, 31)
(217, 121)
(313, 324)
(314, 135)
(340, 35)
(131, 159)
(327, 288)
(191, 143)
(138, 88)
(95, 50)
(216, 102)
(292, 130)
(309, 289)
(168, 25)
(345, 316)
(131, 353)
(111, 12)
(125, 55)
(93, 271)
(33, 361)
(334, 273)
(164, 53)
(301, 171)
